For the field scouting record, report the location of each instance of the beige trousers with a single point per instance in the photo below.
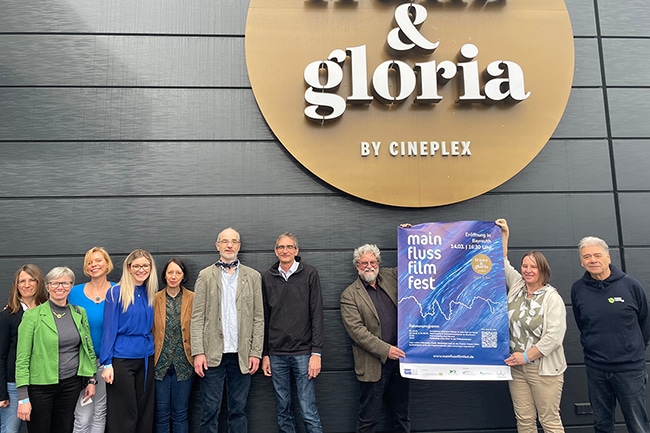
(536, 396)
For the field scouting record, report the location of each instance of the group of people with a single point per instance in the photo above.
(123, 356)
(80, 357)
(610, 309)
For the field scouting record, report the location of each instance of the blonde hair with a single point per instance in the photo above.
(88, 258)
(127, 285)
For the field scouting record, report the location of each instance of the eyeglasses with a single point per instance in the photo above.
(285, 247)
(228, 241)
(144, 267)
(64, 284)
(370, 264)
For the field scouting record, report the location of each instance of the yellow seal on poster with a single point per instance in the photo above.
(481, 264)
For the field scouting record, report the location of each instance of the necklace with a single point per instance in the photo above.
(58, 316)
(96, 297)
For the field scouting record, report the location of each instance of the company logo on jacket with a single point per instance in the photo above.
(615, 299)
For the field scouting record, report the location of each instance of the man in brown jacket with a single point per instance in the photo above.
(369, 313)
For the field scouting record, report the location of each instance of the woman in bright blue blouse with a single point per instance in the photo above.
(127, 346)
(90, 414)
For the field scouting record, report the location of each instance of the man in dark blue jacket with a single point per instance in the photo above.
(611, 311)
(293, 337)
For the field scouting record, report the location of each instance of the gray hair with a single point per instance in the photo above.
(58, 272)
(364, 249)
(592, 241)
(289, 235)
(228, 228)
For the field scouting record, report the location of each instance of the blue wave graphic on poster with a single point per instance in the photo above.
(452, 294)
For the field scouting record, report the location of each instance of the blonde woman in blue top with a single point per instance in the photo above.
(90, 414)
(127, 346)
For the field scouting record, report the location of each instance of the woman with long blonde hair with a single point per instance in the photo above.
(127, 346)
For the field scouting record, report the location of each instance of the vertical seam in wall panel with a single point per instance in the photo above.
(610, 141)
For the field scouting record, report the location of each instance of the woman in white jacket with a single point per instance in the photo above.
(537, 319)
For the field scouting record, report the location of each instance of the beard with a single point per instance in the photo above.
(369, 276)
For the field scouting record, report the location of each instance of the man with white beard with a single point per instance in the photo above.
(369, 313)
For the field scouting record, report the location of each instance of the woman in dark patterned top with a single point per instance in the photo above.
(174, 365)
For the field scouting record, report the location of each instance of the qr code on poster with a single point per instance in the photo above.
(488, 339)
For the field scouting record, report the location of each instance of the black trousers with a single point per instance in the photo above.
(53, 406)
(391, 387)
(130, 398)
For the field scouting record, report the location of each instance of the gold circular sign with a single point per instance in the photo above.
(411, 104)
(481, 264)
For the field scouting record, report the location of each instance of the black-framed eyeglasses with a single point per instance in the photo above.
(64, 284)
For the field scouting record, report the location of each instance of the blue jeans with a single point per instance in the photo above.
(628, 387)
(172, 402)
(10, 423)
(237, 387)
(281, 366)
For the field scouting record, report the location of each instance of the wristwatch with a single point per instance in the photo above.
(92, 381)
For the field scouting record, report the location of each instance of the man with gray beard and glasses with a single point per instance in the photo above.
(369, 313)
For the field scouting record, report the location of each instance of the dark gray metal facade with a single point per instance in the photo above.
(131, 123)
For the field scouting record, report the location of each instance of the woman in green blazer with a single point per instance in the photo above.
(55, 359)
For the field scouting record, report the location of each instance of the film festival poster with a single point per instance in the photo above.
(452, 301)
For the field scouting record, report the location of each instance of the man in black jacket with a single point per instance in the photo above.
(611, 311)
(293, 337)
